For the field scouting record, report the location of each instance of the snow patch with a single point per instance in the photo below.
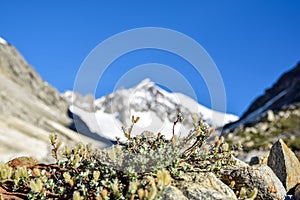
(2, 41)
(215, 118)
(252, 116)
(104, 124)
(257, 112)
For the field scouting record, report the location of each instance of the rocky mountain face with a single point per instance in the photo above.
(30, 109)
(284, 92)
(274, 115)
(17, 74)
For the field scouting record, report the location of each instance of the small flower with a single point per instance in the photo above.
(152, 194)
(76, 160)
(133, 186)
(37, 172)
(76, 195)
(96, 175)
(21, 173)
(36, 185)
(67, 152)
(68, 178)
(163, 177)
(104, 193)
(112, 153)
(115, 187)
(53, 138)
(141, 193)
(225, 147)
(5, 172)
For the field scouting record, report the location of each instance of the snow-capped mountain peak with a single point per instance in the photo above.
(156, 108)
(144, 84)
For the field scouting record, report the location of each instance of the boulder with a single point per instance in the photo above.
(285, 164)
(172, 193)
(260, 177)
(22, 162)
(199, 186)
(270, 116)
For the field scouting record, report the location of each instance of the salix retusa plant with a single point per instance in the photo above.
(139, 168)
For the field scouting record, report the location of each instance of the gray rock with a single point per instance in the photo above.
(199, 186)
(240, 163)
(172, 193)
(260, 177)
(256, 160)
(262, 127)
(285, 164)
(251, 130)
(270, 116)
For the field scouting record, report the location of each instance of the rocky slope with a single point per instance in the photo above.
(284, 92)
(274, 115)
(213, 173)
(30, 109)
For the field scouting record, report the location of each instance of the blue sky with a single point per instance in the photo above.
(251, 42)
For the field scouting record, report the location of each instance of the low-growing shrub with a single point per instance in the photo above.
(141, 168)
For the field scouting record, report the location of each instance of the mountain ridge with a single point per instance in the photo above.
(288, 82)
(156, 108)
(272, 116)
(285, 91)
(30, 110)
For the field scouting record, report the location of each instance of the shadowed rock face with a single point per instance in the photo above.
(288, 82)
(285, 164)
(30, 109)
(284, 93)
(272, 116)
